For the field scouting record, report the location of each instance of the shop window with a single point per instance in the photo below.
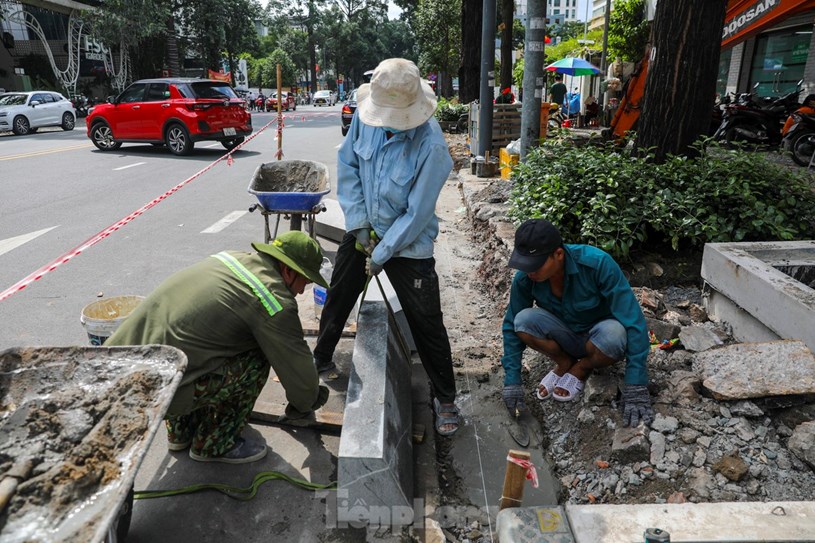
(779, 61)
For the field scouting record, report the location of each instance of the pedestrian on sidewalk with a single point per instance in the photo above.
(234, 315)
(573, 304)
(391, 169)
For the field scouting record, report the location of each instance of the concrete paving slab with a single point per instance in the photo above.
(534, 525)
(688, 522)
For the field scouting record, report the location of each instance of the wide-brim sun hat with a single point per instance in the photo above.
(397, 97)
(299, 252)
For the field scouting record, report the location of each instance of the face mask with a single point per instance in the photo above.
(392, 130)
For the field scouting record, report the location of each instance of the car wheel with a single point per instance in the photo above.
(102, 137)
(68, 121)
(345, 129)
(178, 140)
(232, 143)
(21, 126)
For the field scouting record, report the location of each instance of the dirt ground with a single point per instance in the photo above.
(700, 438)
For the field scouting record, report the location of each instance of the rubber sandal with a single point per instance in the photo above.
(442, 420)
(570, 384)
(549, 382)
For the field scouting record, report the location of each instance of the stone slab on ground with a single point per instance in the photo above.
(699, 338)
(375, 465)
(755, 370)
(802, 442)
(533, 525)
(687, 522)
(631, 444)
(330, 224)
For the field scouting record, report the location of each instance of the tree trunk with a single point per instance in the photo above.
(681, 81)
(470, 71)
(507, 13)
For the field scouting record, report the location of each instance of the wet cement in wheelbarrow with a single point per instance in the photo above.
(74, 431)
(293, 176)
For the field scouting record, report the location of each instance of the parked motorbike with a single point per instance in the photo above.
(81, 105)
(757, 121)
(800, 138)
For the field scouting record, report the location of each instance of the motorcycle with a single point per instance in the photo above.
(800, 138)
(757, 121)
(81, 105)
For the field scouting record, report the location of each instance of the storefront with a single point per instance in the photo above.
(767, 47)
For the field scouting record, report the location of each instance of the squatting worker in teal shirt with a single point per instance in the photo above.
(233, 314)
(390, 171)
(572, 303)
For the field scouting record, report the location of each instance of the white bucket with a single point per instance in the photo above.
(102, 317)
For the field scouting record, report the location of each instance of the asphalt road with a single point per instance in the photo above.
(59, 191)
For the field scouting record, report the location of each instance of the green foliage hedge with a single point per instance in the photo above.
(610, 197)
(450, 110)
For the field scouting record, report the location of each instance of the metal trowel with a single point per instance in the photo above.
(516, 429)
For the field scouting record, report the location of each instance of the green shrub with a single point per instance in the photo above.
(610, 197)
(450, 110)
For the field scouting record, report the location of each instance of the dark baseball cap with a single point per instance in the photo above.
(535, 240)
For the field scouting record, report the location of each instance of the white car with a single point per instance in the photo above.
(324, 98)
(25, 112)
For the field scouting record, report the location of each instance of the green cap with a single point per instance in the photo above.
(299, 252)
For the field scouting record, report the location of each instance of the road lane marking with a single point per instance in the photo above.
(338, 146)
(9, 244)
(223, 223)
(211, 145)
(128, 166)
(46, 152)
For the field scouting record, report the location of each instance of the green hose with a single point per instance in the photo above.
(237, 493)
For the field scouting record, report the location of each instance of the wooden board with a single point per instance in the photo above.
(322, 420)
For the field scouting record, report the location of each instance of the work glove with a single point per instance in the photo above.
(372, 268)
(364, 241)
(514, 398)
(636, 405)
(322, 397)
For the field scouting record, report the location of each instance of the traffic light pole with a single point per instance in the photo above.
(533, 83)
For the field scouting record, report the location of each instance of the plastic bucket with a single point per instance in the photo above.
(102, 317)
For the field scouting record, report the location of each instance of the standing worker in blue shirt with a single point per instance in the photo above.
(391, 169)
(572, 303)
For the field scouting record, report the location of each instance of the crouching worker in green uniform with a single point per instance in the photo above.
(234, 315)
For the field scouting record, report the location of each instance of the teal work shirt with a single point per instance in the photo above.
(391, 185)
(594, 289)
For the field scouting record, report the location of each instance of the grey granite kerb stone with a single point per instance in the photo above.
(375, 467)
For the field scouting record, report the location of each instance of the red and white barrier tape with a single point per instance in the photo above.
(93, 240)
(531, 473)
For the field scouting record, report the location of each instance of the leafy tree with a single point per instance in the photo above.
(628, 30)
(681, 80)
(127, 24)
(438, 33)
(570, 29)
(239, 30)
(268, 70)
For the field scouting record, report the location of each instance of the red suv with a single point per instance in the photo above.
(174, 112)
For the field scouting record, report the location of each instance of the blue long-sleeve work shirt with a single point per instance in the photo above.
(594, 289)
(391, 185)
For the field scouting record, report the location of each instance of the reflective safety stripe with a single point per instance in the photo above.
(266, 298)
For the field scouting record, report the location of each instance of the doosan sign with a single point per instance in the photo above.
(748, 17)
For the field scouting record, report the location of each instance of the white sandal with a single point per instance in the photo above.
(570, 384)
(549, 382)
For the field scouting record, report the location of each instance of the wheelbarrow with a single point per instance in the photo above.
(290, 188)
(75, 425)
